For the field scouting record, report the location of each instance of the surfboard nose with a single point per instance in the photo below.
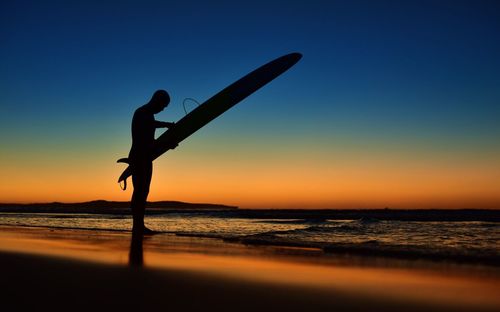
(294, 57)
(287, 60)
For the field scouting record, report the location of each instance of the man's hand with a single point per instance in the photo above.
(164, 124)
(169, 124)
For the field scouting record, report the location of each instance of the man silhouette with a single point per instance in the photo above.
(141, 154)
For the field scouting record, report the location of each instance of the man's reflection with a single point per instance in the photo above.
(136, 257)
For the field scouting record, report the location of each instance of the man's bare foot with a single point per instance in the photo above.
(143, 230)
(147, 231)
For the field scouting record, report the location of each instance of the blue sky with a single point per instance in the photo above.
(376, 75)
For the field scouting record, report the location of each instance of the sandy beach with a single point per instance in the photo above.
(63, 269)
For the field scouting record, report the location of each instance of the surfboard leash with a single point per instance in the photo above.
(124, 185)
(184, 103)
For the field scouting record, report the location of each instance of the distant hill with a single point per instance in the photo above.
(104, 206)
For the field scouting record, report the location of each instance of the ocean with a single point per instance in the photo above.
(446, 239)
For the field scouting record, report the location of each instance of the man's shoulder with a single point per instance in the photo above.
(141, 111)
(141, 108)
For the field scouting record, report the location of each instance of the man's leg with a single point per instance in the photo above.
(141, 179)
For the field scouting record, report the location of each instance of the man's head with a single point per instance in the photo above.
(159, 101)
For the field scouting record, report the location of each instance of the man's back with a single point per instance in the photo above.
(143, 134)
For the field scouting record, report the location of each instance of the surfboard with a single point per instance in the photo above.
(217, 105)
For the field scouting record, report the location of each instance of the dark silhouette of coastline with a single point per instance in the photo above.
(104, 206)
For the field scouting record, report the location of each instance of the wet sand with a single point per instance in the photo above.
(62, 269)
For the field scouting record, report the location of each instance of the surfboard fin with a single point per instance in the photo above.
(123, 160)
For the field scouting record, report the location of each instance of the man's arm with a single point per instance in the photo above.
(163, 124)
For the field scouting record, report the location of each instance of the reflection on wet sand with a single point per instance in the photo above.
(136, 255)
(253, 268)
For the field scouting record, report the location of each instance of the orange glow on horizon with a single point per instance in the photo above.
(279, 176)
(300, 181)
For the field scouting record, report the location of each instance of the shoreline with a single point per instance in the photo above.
(98, 264)
(364, 253)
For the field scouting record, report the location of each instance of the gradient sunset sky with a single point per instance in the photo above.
(394, 104)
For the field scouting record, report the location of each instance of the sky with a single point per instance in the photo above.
(394, 103)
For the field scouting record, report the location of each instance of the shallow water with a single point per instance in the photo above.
(471, 241)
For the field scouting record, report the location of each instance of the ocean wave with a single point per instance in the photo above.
(368, 220)
(376, 248)
(296, 221)
(325, 227)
